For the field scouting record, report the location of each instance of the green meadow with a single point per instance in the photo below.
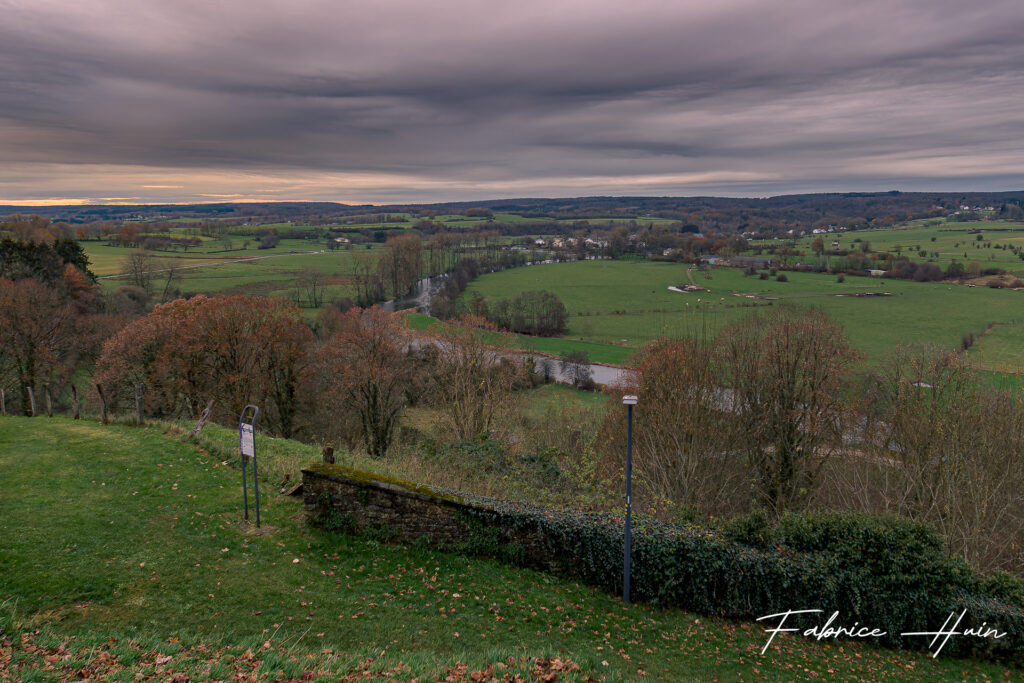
(951, 240)
(629, 303)
(124, 556)
(266, 272)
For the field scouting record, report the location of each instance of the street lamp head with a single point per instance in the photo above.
(629, 400)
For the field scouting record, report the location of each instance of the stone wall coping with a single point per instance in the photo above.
(401, 487)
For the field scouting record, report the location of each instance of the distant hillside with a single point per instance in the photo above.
(854, 209)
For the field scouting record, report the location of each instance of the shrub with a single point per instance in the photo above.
(841, 278)
(764, 276)
(888, 572)
(781, 277)
(995, 284)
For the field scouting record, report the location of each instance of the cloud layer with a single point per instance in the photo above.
(392, 100)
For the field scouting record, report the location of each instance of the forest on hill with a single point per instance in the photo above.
(853, 210)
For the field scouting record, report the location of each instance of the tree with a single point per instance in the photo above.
(40, 339)
(927, 394)
(139, 267)
(575, 366)
(42, 260)
(312, 285)
(363, 369)
(402, 263)
(684, 432)
(950, 449)
(787, 371)
(234, 350)
(369, 286)
(537, 312)
(472, 384)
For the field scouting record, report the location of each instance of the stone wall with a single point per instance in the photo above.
(372, 503)
(361, 502)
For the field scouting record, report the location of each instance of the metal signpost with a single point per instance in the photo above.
(628, 401)
(246, 432)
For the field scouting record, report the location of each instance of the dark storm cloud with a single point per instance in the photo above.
(387, 100)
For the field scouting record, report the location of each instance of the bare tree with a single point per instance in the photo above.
(312, 283)
(685, 437)
(787, 372)
(576, 366)
(363, 370)
(402, 263)
(139, 267)
(948, 455)
(39, 335)
(166, 276)
(472, 384)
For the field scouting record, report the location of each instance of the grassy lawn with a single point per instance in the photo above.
(549, 396)
(123, 553)
(629, 303)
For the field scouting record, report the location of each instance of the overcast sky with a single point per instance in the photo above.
(434, 100)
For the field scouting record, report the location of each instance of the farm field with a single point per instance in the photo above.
(106, 259)
(252, 271)
(953, 241)
(123, 553)
(629, 303)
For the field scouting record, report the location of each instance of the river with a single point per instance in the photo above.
(419, 299)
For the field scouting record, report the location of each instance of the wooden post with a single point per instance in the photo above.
(202, 421)
(103, 404)
(74, 401)
(31, 402)
(138, 404)
(49, 403)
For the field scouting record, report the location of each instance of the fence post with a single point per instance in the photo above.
(138, 404)
(31, 402)
(103, 404)
(202, 421)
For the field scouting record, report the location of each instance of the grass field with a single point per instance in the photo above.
(267, 272)
(953, 241)
(123, 555)
(629, 303)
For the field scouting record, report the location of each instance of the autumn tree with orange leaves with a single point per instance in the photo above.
(233, 350)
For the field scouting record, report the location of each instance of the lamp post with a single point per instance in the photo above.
(629, 401)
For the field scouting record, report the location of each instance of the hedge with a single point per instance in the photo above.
(883, 572)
